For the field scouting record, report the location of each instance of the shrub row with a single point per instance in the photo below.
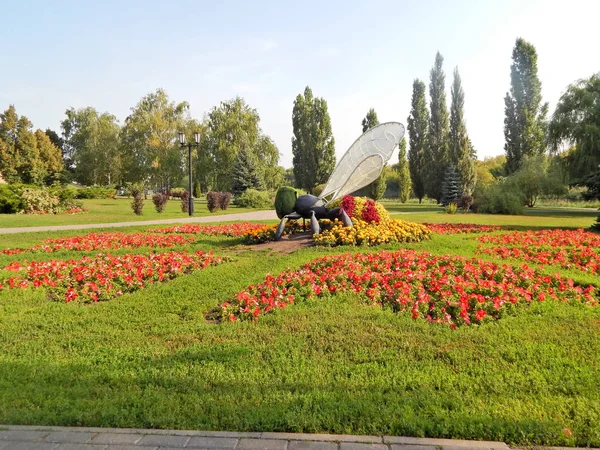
(28, 199)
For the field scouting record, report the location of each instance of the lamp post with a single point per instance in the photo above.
(189, 146)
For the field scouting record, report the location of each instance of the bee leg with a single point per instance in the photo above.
(346, 220)
(280, 228)
(314, 223)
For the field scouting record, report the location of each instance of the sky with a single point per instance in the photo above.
(356, 55)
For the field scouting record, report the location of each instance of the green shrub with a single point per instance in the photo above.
(251, 198)
(499, 198)
(318, 189)
(99, 192)
(285, 200)
(10, 200)
(177, 192)
(39, 201)
(451, 208)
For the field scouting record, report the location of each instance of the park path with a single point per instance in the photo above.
(15, 437)
(253, 215)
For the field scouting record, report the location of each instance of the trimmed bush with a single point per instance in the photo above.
(285, 200)
(99, 192)
(251, 198)
(137, 204)
(39, 201)
(224, 200)
(212, 198)
(185, 201)
(160, 202)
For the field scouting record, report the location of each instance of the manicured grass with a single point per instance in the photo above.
(113, 210)
(150, 359)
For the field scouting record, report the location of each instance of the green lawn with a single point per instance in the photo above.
(112, 210)
(151, 360)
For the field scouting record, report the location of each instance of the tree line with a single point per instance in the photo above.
(95, 149)
(235, 154)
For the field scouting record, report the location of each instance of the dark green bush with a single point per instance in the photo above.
(285, 199)
(251, 198)
(10, 200)
(99, 192)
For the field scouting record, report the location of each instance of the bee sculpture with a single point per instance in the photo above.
(360, 165)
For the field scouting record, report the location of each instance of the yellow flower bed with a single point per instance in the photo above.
(363, 233)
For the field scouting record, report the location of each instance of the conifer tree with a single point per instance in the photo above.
(437, 150)
(525, 116)
(403, 173)
(459, 142)
(450, 191)
(246, 173)
(418, 132)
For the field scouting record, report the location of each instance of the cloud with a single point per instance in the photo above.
(264, 45)
(329, 52)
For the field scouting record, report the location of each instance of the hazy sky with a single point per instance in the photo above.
(108, 54)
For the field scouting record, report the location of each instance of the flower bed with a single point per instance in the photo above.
(103, 277)
(103, 241)
(369, 234)
(440, 289)
(460, 228)
(565, 248)
(231, 229)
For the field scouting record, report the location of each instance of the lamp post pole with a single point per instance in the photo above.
(189, 146)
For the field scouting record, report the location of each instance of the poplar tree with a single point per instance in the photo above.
(403, 173)
(525, 115)
(437, 150)
(313, 145)
(459, 143)
(377, 188)
(418, 132)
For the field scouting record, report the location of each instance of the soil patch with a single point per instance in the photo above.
(286, 245)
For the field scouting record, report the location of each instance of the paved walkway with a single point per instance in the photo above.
(253, 215)
(15, 437)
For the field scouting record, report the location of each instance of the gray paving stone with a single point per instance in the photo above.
(358, 446)
(229, 434)
(212, 442)
(312, 445)
(70, 437)
(129, 447)
(24, 435)
(117, 439)
(404, 440)
(161, 440)
(322, 437)
(31, 446)
(413, 447)
(262, 444)
(71, 446)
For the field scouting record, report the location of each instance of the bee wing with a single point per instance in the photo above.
(364, 160)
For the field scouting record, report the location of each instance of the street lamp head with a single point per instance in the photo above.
(197, 137)
(182, 138)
